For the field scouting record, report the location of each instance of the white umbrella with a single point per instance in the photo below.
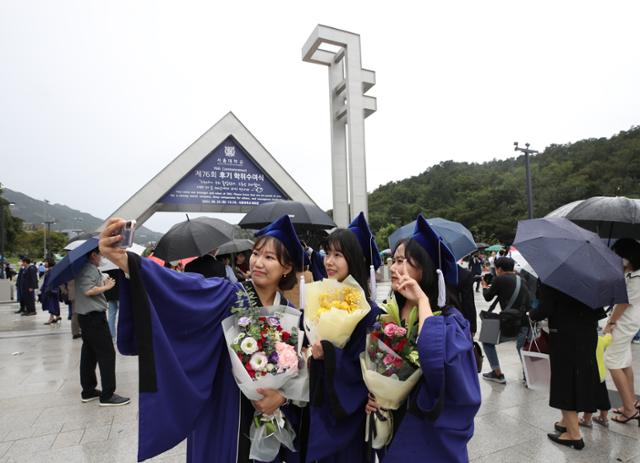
(521, 262)
(106, 265)
(74, 244)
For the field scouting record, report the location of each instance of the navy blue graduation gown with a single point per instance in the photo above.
(49, 296)
(337, 400)
(187, 389)
(437, 423)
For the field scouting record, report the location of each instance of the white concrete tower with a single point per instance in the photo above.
(348, 83)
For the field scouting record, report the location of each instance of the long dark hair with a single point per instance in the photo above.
(344, 241)
(419, 258)
(283, 257)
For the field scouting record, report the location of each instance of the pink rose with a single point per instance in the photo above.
(390, 329)
(287, 357)
(388, 359)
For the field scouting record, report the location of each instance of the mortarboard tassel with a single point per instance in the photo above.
(372, 282)
(301, 291)
(442, 289)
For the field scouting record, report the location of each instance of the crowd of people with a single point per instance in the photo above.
(170, 317)
(580, 348)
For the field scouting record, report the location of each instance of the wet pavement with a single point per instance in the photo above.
(43, 420)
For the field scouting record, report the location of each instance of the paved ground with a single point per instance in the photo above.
(43, 420)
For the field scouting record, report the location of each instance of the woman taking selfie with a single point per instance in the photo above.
(172, 322)
(338, 392)
(437, 421)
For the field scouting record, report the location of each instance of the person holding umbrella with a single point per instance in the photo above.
(623, 324)
(574, 371)
(172, 321)
(578, 276)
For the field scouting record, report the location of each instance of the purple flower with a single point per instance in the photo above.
(273, 321)
(273, 358)
(377, 326)
(244, 322)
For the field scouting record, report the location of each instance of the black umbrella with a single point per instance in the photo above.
(193, 238)
(610, 217)
(572, 260)
(235, 246)
(302, 215)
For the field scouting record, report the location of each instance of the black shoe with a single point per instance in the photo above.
(90, 396)
(559, 428)
(18, 311)
(492, 376)
(114, 401)
(76, 336)
(28, 314)
(576, 444)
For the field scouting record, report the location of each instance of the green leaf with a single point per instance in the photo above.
(413, 322)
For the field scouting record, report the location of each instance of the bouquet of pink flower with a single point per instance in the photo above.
(390, 368)
(265, 350)
(263, 346)
(391, 350)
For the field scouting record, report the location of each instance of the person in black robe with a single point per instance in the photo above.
(574, 372)
(207, 266)
(466, 299)
(172, 321)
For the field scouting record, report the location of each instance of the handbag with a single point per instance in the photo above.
(507, 323)
(536, 364)
(489, 327)
(539, 341)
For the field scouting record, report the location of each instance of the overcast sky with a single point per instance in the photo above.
(97, 96)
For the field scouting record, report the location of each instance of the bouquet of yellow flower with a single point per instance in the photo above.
(333, 309)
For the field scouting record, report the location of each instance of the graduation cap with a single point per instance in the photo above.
(440, 253)
(367, 241)
(282, 229)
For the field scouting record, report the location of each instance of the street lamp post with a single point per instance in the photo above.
(527, 152)
(44, 228)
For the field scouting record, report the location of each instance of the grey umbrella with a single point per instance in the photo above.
(610, 217)
(572, 260)
(455, 235)
(193, 238)
(235, 246)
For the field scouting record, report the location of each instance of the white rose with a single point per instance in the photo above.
(249, 345)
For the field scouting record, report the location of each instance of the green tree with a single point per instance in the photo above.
(489, 198)
(382, 237)
(12, 226)
(31, 243)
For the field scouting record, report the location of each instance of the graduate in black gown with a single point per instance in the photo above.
(338, 393)
(437, 422)
(172, 320)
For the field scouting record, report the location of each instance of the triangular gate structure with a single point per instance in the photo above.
(225, 170)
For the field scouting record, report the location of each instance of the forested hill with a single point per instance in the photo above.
(490, 198)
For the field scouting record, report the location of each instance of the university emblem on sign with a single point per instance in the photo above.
(229, 151)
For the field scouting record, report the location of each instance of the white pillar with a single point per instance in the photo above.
(348, 83)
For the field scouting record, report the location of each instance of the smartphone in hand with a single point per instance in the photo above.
(127, 232)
